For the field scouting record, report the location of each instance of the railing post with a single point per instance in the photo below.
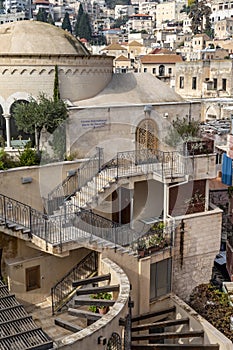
(30, 222)
(4, 205)
(52, 301)
(117, 167)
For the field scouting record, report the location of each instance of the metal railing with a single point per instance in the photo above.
(63, 290)
(99, 175)
(74, 182)
(165, 164)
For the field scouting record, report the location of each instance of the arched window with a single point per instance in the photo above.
(161, 70)
(15, 133)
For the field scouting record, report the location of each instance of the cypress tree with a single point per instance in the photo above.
(82, 25)
(56, 92)
(66, 25)
(41, 15)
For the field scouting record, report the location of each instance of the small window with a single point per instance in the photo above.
(32, 278)
(194, 83)
(160, 278)
(169, 70)
(224, 84)
(145, 70)
(215, 83)
(154, 71)
(181, 82)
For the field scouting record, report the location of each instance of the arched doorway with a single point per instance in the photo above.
(146, 135)
(2, 125)
(146, 140)
(15, 133)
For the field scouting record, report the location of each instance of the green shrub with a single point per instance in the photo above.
(6, 161)
(28, 157)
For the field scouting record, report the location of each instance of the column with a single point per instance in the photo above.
(8, 130)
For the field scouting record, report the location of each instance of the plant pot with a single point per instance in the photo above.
(103, 310)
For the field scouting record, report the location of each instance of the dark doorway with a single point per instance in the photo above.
(121, 206)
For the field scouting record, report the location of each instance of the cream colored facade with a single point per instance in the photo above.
(199, 79)
(168, 11)
(223, 29)
(28, 69)
(112, 118)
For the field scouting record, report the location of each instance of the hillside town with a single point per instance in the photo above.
(116, 192)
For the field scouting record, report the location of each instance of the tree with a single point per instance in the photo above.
(199, 14)
(56, 92)
(82, 25)
(41, 15)
(182, 131)
(66, 25)
(45, 113)
(50, 19)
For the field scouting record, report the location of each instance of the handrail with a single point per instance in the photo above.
(75, 181)
(63, 290)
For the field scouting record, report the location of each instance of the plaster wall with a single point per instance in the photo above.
(194, 254)
(58, 267)
(113, 128)
(44, 179)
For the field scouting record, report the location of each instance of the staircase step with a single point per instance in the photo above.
(67, 325)
(102, 289)
(91, 301)
(168, 335)
(84, 314)
(153, 314)
(161, 324)
(91, 280)
(11, 225)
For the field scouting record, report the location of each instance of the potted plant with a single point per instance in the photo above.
(100, 309)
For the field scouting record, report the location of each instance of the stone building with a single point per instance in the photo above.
(27, 67)
(65, 223)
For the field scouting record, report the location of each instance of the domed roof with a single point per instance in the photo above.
(34, 37)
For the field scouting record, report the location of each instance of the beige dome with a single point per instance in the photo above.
(34, 37)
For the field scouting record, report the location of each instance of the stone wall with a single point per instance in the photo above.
(195, 250)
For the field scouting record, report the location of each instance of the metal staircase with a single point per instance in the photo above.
(84, 186)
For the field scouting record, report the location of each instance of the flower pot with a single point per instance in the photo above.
(103, 310)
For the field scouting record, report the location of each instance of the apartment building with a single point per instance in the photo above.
(223, 29)
(168, 11)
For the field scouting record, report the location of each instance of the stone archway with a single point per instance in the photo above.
(145, 136)
(2, 124)
(15, 133)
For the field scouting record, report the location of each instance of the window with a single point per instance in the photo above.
(160, 278)
(194, 83)
(169, 70)
(215, 83)
(145, 70)
(32, 278)
(181, 82)
(224, 84)
(161, 70)
(154, 71)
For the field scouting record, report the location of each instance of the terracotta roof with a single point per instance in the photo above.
(202, 35)
(161, 59)
(134, 43)
(158, 50)
(122, 58)
(114, 46)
